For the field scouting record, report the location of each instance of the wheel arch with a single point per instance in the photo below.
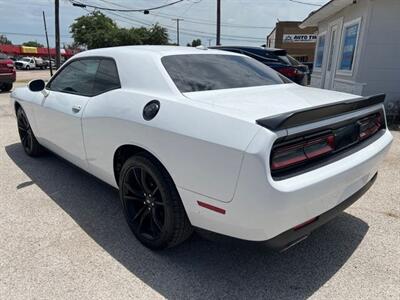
(124, 152)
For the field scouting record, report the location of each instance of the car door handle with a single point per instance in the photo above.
(76, 108)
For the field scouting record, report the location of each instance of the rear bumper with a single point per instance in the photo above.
(266, 210)
(293, 236)
(7, 77)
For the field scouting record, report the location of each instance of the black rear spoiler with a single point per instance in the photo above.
(304, 116)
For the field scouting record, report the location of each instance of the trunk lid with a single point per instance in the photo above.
(266, 101)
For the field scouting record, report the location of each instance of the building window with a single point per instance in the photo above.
(320, 51)
(349, 46)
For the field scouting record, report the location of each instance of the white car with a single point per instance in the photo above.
(200, 138)
(26, 63)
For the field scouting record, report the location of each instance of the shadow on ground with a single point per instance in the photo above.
(198, 269)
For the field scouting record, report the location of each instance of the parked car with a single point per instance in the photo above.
(40, 63)
(26, 63)
(7, 73)
(206, 139)
(30, 63)
(277, 59)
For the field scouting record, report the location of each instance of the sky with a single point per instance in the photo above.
(244, 22)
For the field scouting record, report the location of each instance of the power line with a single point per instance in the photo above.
(31, 34)
(305, 3)
(82, 5)
(193, 20)
(190, 31)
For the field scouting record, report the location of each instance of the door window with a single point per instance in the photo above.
(76, 78)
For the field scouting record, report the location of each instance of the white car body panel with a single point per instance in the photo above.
(208, 141)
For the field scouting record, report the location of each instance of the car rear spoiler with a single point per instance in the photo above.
(304, 116)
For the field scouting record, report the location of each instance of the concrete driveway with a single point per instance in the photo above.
(62, 235)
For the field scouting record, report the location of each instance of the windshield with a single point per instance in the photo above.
(26, 59)
(202, 72)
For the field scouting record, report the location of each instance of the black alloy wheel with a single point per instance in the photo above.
(29, 143)
(151, 204)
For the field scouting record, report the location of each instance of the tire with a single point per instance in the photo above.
(6, 87)
(151, 204)
(28, 67)
(28, 140)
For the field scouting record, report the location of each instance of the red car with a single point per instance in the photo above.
(7, 73)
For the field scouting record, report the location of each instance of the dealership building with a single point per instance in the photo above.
(358, 47)
(299, 43)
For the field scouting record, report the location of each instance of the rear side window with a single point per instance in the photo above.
(202, 72)
(76, 78)
(107, 77)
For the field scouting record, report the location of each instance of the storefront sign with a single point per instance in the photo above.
(299, 38)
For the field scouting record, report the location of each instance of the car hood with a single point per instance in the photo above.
(266, 101)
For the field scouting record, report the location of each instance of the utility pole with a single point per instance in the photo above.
(218, 42)
(57, 33)
(177, 29)
(47, 41)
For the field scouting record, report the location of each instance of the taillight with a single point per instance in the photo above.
(369, 126)
(299, 152)
(288, 72)
(10, 65)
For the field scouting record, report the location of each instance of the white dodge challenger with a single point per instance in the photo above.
(199, 138)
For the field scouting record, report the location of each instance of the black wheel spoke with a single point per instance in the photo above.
(155, 220)
(133, 198)
(141, 211)
(142, 218)
(159, 203)
(135, 194)
(143, 177)
(154, 191)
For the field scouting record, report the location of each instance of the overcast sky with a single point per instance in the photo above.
(245, 22)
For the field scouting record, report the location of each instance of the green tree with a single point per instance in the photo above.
(32, 44)
(96, 30)
(195, 43)
(4, 40)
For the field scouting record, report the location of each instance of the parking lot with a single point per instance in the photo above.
(63, 236)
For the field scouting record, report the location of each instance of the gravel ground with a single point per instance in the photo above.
(63, 236)
(24, 76)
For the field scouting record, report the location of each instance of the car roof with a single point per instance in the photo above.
(249, 48)
(156, 51)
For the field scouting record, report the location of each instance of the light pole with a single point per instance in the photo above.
(177, 29)
(218, 42)
(57, 33)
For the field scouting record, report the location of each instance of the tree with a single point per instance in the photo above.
(96, 30)
(33, 44)
(93, 30)
(195, 43)
(4, 40)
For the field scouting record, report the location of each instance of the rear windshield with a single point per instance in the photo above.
(203, 72)
(289, 60)
(3, 56)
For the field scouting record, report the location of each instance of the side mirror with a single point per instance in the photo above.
(36, 85)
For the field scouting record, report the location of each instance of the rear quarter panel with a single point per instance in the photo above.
(202, 150)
